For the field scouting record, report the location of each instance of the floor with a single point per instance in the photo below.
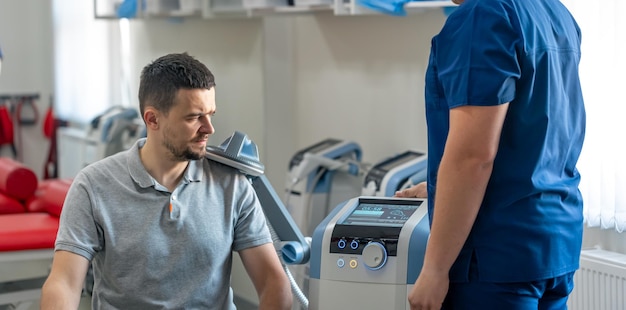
(243, 304)
(10, 287)
(85, 303)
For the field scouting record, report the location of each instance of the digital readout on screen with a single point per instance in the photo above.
(381, 214)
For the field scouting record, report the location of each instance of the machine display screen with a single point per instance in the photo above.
(392, 213)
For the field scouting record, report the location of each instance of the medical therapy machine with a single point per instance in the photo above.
(113, 131)
(395, 173)
(365, 254)
(241, 153)
(320, 177)
(368, 253)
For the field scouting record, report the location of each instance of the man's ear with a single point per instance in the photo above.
(151, 118)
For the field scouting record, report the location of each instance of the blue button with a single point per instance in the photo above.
(354, 244)
(341, 244)
(341, 263)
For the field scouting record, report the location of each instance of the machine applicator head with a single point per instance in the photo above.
(239, 152)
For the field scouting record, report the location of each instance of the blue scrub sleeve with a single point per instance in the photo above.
(479, 66)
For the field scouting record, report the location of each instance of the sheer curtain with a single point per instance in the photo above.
(88, 61)
(602, 70)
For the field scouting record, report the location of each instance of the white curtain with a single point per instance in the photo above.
(602, 71)
(88, 68)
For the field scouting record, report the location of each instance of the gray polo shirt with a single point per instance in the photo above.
(148, 257)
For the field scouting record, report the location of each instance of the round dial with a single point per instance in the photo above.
(374, 255)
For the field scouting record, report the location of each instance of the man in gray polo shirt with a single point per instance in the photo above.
(159, 222)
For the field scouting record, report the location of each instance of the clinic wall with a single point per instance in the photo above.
(231, 49)
(354, 78)
(361, 78)
(26, 41)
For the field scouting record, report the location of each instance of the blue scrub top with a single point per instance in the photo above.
(526, 53)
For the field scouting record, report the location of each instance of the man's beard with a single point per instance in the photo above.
(183, 154)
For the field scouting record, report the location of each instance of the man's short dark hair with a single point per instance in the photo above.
(161, 80)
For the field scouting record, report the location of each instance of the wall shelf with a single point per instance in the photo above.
(211, 11)
(106, 9)
(351, 7)
(292, 9)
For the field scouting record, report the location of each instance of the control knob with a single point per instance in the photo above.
(374, 255)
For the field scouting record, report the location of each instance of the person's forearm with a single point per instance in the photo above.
(55, 296)
(460, 190)
(276, 297)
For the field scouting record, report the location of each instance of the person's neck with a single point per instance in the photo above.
(160, 166)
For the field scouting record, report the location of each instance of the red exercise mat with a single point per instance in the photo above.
(28, 231)
(16, 180)
(9, 205)
(49, 196)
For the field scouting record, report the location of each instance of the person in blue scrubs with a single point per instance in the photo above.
(506, 123)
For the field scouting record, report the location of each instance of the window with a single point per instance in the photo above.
(602, 163)
(89, 70)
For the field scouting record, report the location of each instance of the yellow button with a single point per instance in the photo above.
(353, 263)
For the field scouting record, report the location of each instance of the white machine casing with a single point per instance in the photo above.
(319, 178)
(379, 270)
(394, 173)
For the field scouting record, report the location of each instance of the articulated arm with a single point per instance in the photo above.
(297, 249)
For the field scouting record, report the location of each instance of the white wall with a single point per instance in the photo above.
(26, 41)
(353, 78)
(231, 49)
(357, 78)
(361, 78)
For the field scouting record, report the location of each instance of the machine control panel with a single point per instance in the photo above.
(371, 247)
(371, 226)
(354, 244)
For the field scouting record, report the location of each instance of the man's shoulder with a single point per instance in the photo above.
(110, 165)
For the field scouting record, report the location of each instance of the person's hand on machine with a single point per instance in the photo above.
(415, 191)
